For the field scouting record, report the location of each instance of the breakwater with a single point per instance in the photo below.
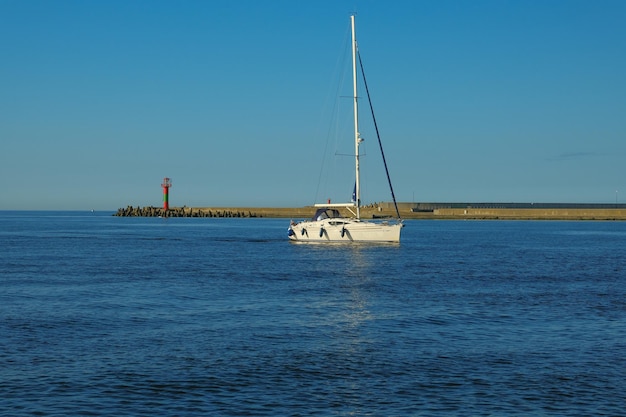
(384, 211)
(151, 211)
(529, 214)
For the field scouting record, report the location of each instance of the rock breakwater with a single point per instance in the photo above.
(151, 211)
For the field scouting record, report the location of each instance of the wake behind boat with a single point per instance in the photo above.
(328, 225)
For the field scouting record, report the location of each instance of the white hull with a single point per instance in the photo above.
(344, 230)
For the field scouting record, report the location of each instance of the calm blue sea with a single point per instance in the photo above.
(109, 316)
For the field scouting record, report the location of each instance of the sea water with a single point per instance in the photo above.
(101, 315)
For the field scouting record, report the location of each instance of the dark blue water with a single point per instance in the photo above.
(101, 315)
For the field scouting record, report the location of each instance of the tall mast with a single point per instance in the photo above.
(357, 138)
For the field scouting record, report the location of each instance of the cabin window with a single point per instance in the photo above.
(325, 213)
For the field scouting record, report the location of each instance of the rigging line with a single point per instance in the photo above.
(338, 80)
(380, 143)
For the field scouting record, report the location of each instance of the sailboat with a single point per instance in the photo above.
(327, 224)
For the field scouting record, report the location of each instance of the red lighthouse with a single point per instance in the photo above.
(167, 183)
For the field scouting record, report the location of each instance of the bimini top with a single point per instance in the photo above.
(325, 213)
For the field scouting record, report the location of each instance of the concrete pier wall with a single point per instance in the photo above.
(538, 213)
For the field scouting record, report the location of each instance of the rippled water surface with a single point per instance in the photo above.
(102, 315)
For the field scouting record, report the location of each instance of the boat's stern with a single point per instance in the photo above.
(292, 230)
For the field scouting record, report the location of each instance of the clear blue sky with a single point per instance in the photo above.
(520, 101)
